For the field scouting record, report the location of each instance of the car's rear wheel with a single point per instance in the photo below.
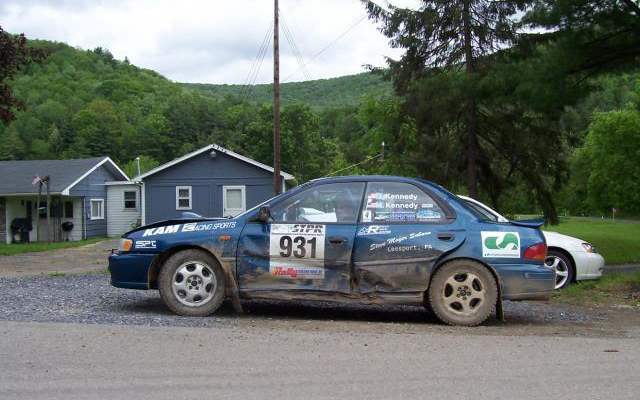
(463, 292)
(192, 283)
(563, 267)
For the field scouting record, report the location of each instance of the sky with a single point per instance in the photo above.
(211, 41)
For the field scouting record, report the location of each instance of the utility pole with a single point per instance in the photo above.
(277, 180)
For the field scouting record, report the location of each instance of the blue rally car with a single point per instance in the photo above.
(363, 239)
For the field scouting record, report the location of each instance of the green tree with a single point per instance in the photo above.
(146, 164)
(15, 55)
(612, 149)
(586, 37)
(448, 37)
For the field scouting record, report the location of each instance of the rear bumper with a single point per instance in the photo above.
(588, 265)
(526, 281)
(130, 271)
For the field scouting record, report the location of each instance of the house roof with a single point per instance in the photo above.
(17, 176)
(210, 147)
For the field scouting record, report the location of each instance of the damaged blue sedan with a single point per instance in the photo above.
(362, 239)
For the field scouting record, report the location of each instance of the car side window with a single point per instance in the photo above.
(332, 202)
(399, 201)
(485, 214)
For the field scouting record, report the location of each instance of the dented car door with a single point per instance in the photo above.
(402, 232)
(308, 245)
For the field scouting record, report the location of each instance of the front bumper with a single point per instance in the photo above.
(526, 281)
(588, 265)
(130, 270)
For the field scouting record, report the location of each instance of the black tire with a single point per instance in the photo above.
(470, 299)
(191, 283)
(565, 270)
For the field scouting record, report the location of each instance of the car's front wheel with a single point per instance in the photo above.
(563, 267)
(463, 292)
(192, 283)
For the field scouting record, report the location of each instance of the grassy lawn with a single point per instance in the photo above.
(617, 241)
(10, 249)
(610, 290)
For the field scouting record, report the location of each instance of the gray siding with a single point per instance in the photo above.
(207, 176)
(3, 217)
(121, 219)
(92, 187)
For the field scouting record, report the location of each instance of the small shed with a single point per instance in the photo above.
(78, 208)
(211, 181)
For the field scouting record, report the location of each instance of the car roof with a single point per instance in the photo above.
(369, 178)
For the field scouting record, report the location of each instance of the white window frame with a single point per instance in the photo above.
(178, 188)
(243, 192)
(101, 201)
(124, 200)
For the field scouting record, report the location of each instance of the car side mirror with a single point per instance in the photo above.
(265, 214)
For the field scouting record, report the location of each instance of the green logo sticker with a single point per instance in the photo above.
(500, 244)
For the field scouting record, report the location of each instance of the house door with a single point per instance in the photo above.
(234, 200)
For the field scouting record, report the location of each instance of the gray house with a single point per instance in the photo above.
(211, 181)
(78, 198)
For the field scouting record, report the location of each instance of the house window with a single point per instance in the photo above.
(68, 209)
(233, 200)
(130, 199)
(97, 208)
(42, 209)
(183, 197)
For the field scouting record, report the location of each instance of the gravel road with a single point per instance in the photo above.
(90, 299)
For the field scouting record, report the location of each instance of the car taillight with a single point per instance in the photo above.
(537, 252)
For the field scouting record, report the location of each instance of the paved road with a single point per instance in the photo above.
(62, 361)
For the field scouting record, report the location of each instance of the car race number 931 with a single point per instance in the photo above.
(296, 251)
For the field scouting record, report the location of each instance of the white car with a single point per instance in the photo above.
(572, 258)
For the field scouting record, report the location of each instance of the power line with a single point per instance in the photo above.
(355, 165)
(255, 66)
(294, 47)
(328, 46)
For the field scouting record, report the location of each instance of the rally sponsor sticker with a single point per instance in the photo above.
(161, 230)
(296, 251)
(500, 244)
(145, 244)
(374, 230)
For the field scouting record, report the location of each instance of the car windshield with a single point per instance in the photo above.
(254, 208)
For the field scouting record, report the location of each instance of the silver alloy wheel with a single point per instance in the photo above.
(463, 293)
(561, 268)
(194, 283)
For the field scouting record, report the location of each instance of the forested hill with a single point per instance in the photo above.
(322, 93)
(84, 103)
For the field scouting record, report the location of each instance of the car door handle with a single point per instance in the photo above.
(337, 239)
(447, 237)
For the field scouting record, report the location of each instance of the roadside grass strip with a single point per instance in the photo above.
(617, 241)
(18, 248)
(616, 289)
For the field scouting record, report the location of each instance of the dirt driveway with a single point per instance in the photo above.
(77, 260)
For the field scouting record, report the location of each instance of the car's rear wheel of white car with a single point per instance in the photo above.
(192, 283)
(563, 267)
(463, 292)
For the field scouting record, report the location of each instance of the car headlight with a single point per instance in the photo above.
(124, 245)
(589, 248)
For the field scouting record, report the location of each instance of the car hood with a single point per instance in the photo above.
(555, 239)
(167, 222)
